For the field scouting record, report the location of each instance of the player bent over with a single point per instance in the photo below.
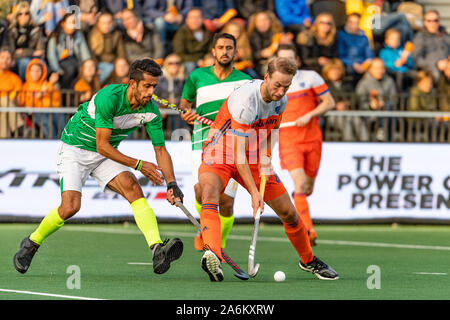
(301, 145)
(89, 147)
(209, 87)
(247, 118)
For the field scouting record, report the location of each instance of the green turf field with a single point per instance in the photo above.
(413, 260)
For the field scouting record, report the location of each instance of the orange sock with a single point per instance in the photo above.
(210, 223)
(296, 232)
(301, 204)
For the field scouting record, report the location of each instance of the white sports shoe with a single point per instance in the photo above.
(212, 266)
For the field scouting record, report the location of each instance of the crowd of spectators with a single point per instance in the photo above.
(384, 48)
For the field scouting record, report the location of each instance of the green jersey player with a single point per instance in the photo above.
(209, 87)
(89, 148)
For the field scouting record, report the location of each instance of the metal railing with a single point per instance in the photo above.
(386, 126)
(397, 125)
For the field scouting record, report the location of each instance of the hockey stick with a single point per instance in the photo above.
(175, 107)
(288, 124)
(240, 274)
(252, 268)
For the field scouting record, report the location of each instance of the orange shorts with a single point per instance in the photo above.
(274, 186)
(295, 154)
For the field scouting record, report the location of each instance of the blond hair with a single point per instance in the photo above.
(275, 24)
(302, 37)
(21, 6)
(282, 65)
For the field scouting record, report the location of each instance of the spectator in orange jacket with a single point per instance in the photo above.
(10, 85)
(41, 93)
(88, 80)
(37, 91)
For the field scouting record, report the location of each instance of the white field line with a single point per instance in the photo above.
(269, 239)
(385, 229)
(432, 273)
(48, 294)
(141, 263)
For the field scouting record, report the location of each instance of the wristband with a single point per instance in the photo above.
(177, 193)
(139, 165)
(171, 185)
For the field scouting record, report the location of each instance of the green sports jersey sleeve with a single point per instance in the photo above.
(104, 111)
(154, 129)
(189, 90)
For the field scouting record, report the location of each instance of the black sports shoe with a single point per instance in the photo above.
(23, 257)
(320, 269)
(212, 266)
(164, 253)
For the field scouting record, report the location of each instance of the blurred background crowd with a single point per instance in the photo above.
(374, 55)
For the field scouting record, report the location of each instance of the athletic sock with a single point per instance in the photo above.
(210, 224)
(146, 221)
(51, 222)
(198, 206)
(226, 223)
(198, 240)
(296, 232)
(301, 204)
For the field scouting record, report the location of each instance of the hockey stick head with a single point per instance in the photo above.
(240, 274)
(252, 273)
(252, 268)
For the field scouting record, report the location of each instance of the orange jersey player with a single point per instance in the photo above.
(300, 140)
(239, 147)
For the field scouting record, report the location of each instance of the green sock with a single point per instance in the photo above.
(226, 223)
(48, 225)
(146, 221)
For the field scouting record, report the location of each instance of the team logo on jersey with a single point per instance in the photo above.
(262, 123)
(302, 84)
(277, 109)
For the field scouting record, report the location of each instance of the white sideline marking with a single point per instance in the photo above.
(49, 294)
(271, 239)
(141, 263)
(432, 273)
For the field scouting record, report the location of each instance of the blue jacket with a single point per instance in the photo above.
(56, 46)
(389, 56)
(353, 48)
(292, 11)
(115, 6)
(156, 8)
(213, 9)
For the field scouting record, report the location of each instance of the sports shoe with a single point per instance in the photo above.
(212, 266)
(312, 237)
(23, 257)
(320, 269)
(164, 253)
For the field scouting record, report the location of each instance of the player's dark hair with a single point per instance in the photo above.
(139, 67)
(223, 35)
(291, 47)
